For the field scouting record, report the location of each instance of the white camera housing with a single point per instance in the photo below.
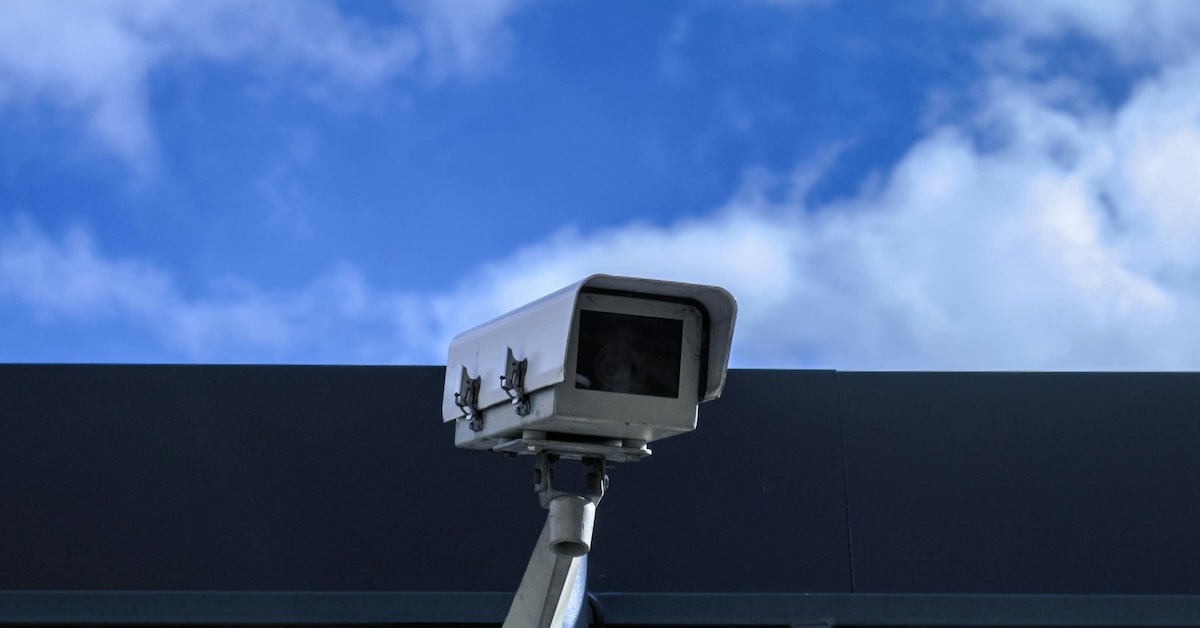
(604, 366)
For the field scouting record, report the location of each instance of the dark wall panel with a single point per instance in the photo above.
(249, 478)
(1023, 482)
(245, 478)
(343, 478)
(752, 500)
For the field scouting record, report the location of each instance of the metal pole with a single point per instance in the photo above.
(549, 588)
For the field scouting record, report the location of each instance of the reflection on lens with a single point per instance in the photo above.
(617, 367)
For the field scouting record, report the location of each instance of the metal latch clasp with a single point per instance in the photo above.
(513, 382)
(467, 399)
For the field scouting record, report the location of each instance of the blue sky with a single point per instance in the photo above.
(883, 185)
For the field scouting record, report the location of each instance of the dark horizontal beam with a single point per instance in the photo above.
(769, 609)
(866, 609)
(242, 607)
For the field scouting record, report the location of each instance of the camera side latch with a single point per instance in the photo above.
(513, 382)
(467, 399)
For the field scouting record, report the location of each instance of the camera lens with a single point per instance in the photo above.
(617, 367)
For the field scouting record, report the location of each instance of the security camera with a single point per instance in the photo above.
(594, 372)
(597, 369)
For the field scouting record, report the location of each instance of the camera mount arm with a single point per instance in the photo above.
(553, 587)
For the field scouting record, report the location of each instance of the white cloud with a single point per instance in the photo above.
(334, 318)
(95, 58)
(1135, 30)
(67, 278)
(458, 35)
(1070, 239)
(1074, 244)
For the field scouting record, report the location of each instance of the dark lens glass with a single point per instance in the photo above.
(638, 355)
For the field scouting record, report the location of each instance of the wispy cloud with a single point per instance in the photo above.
(462, 36)
(337, 317)
(1029, 236)
(1134, 30)
(1073, 242)
(95, 58)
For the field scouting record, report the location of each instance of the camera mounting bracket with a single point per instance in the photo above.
(543, 479)
(536, 443)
